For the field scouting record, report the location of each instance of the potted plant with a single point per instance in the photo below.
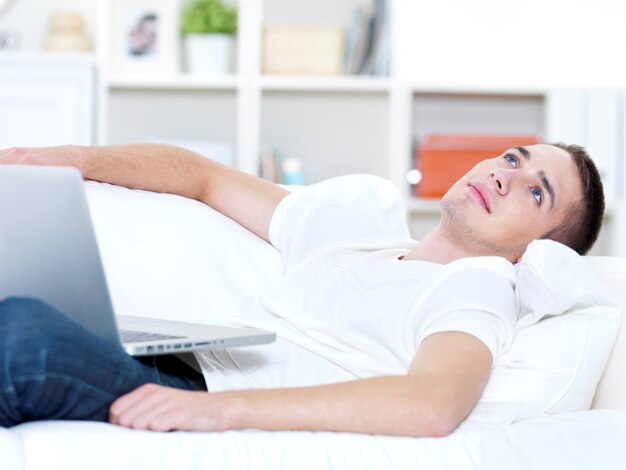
(208, 28)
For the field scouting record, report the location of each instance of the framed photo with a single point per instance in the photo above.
(144, 37)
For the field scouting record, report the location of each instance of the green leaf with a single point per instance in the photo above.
(208, 16)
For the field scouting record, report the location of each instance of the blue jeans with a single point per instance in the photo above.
(51, 367)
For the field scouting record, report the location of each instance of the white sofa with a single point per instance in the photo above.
(174, 258)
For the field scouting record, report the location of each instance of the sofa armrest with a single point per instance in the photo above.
(611, 391)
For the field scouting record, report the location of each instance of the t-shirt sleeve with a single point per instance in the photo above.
(344, 210)
(476, 301)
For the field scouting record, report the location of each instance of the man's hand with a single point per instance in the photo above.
(66, 155)
(157, 408)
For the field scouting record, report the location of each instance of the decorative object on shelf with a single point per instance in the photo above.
(209, 28)
(144, 37)
(279, 170)
(444, 158)
(269, 166)
(67, 33)
(9, 38)
(304, 50)
(292, 171)
(5, 6)
(367, 49)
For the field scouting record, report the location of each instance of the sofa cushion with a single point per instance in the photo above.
(11, 450)
(169, 257)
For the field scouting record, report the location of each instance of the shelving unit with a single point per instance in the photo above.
(383, 109)
(256, 98)
(335, 125)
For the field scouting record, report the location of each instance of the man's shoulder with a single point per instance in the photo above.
(495, 265)
(354, 185)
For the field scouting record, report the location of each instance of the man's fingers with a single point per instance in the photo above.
(149, 417)
(12, 155)
(21, 156)
(161, 410)
(50, 156)
(167, 419)
(128, 406)
(157, 408)
(179, 412)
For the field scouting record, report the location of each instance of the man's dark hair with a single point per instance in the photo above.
(583, 219)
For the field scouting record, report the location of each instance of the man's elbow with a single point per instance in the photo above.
(434, 421)
(443, 423)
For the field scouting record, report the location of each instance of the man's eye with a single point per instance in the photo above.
(512, 159)
(537, 195)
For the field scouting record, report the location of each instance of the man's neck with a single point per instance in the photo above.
(438, 247)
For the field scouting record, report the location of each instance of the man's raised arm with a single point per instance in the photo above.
(247, 199)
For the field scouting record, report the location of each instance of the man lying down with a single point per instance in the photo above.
(377, 333)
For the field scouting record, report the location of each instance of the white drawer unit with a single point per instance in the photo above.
(46, 100)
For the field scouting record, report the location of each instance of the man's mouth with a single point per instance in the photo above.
(481, 195)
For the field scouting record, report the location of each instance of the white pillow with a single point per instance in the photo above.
(169, 257)
(567, 326)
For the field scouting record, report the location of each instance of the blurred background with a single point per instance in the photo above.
(298, 91)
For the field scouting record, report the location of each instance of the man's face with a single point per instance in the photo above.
(504, 203)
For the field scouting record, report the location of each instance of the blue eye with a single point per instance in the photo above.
(537, 195)
(512, 159)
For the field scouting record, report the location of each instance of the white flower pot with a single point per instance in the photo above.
(209, 54)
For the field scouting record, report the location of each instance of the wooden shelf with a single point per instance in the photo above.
(268, 83)
(54, 58)
(468, 89)
(175, 82)
(343, 84)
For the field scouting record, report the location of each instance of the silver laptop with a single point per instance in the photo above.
(48, 250)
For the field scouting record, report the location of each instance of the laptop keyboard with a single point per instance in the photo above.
(131, 336)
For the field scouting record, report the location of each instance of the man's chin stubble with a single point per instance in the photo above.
(465, 235)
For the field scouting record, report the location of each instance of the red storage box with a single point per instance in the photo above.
(444, 158)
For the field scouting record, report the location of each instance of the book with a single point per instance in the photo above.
(352, 40)
(361, 20)
(372, 43)
(370, 39)
(383, 52)
(269, 165)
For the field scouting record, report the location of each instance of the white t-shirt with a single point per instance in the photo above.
(347, 307)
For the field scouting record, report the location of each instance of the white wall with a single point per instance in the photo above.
(530, 43)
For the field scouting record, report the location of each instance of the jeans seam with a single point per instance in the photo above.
(66, 378)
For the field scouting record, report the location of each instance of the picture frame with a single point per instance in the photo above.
(144, 37)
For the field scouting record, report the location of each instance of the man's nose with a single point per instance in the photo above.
(502, 179)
